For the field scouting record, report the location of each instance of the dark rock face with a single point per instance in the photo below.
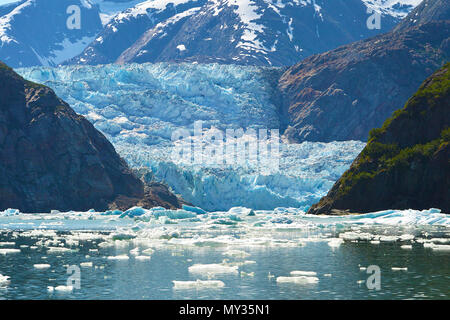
(155, 195)
(406, 163)
(52, 158)
(342, 94)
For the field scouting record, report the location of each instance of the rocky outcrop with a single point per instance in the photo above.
(343, 93)
(52, 158)
(406, 163)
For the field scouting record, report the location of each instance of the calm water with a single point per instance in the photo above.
(257, 249)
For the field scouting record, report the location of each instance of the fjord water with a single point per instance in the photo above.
(139, 257)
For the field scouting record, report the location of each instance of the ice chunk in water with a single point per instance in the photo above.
(212, 269)
(298, 280)
(9, 212)
(4, 280)
(198, 284)
(197, 210)
(41, 266)
(120, 257)
(303, 273)
(8, 251)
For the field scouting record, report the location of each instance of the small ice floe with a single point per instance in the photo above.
(375, 242)
(298, 280)
(440, 247)
(119, 257)
(399, 269)
(9, 251)
(142, 258)
(440, 240)
(406, 237)
(335, 242)
(247, 274)
(58, 250)
(86, 264)
(199, 284)
(135, 252)
(327, 275)
(212, 269)
(236, 253)
(50, 289)
(64, 288)
(106, 244)
(362, 268)
(41, 266)
(4, 280)
(197, 210)
(356, 236)
(303, 273)
(389, 238)
(7, 244)
(406, 247)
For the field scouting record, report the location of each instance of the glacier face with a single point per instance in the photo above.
(145, 103)
(138, 107)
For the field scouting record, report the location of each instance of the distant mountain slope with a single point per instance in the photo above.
(343, 93)
(427, 11)
(252, 32)
(406, 164)
(35, 32)
(52, 158)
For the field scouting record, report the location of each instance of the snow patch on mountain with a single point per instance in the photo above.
(395, 8)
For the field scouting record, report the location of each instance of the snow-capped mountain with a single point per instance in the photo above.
(43, 32)
(256, 32)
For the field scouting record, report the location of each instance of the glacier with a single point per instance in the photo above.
(139, 106)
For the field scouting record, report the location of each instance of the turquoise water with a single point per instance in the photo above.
(247, 254)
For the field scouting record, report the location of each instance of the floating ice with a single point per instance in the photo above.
(213, 269)
(63, 288)
(142, 258)
(8, 251)
(41, 266)
(440, 247)
(86, 264)
(198, 284)
(119, 257)
(9, 212)
(298, 280)
(303, 273)
(7, 244)
(4, 280)
(236, 253)
(197, 210)
(399, 269)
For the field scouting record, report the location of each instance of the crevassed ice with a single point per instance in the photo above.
(138, 107)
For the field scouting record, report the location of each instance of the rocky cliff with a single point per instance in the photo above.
(406, 163)
(343, 93)
(52, 158)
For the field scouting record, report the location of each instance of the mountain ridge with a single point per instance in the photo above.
(405, 164)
